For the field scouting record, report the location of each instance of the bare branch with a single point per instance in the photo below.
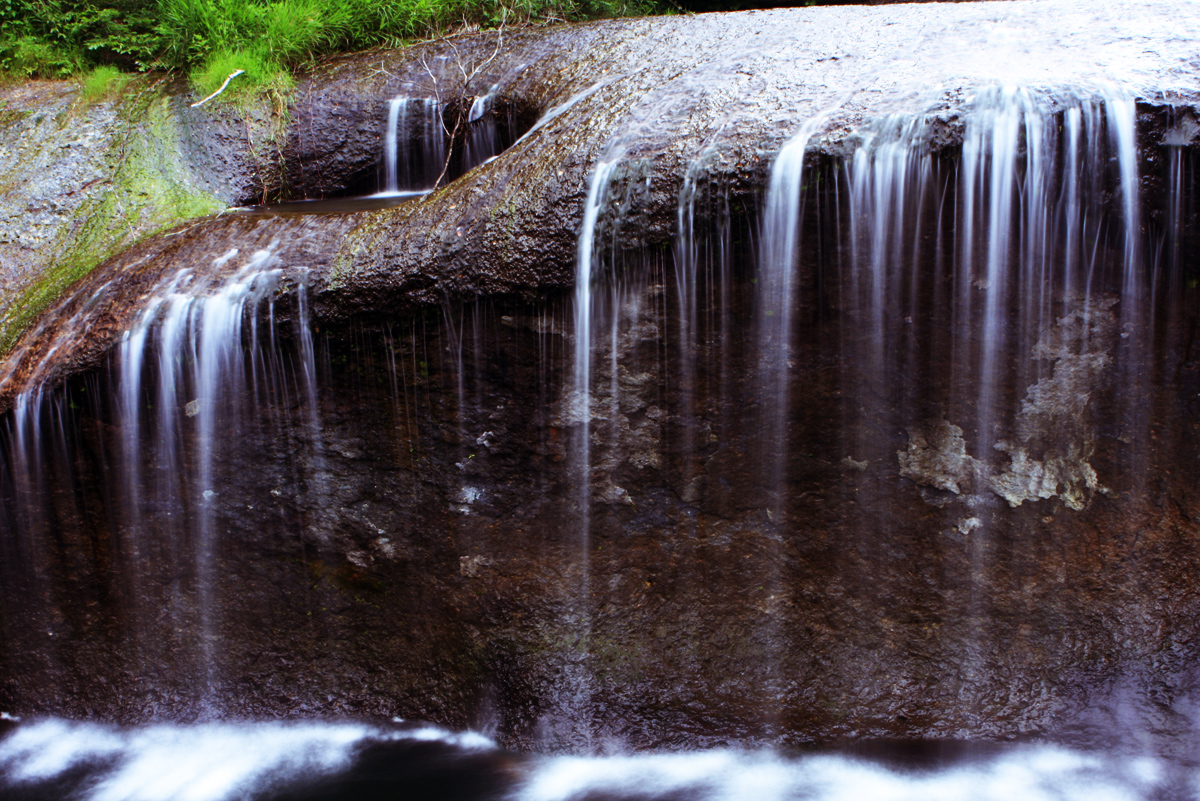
(232, 75)
(461, 114)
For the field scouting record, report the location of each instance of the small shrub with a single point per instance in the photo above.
(261, 73)
(30, 57)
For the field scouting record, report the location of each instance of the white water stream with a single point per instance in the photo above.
(414, 149)
(249, 761)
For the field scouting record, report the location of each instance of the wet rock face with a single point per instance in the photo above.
(391, 515)
(937, 457)
(410, 542)
(1054, 421)
(83, 180)
(709, 96)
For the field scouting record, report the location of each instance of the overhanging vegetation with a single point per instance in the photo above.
(267, 39)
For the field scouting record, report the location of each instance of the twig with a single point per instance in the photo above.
(467, 79)
(232, 75)
(432, 78)
(382, 71)
(496, 52)
(450, 150)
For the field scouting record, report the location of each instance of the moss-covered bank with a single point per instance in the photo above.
(84, 177)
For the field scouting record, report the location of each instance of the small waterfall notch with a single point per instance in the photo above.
(414, 146)
(428, 139)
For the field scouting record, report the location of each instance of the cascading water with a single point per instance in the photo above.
(704, 262)
(569, 723)
(414, 147)
(861, 455)
(418, 140)
(1021, 255)
(482, 130)
(775, 302)
(183, 373)
(989, 364)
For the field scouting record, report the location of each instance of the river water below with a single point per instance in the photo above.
(290, 761)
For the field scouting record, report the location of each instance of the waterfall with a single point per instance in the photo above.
(980, 315)
(585, 280)
(397, 108)
(417, 142)
(414, 147)
(849, 441)
(482, 137)
(775, 303)
(1034, 258)
(703, 282)
(181, 379)
(572, 721)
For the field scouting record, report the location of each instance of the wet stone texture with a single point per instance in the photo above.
(710, 95)
(397, 521)
(411, 546)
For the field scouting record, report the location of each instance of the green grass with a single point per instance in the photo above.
(262, 76)
(102, 82)
(269, 39)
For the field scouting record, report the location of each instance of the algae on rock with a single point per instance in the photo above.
(82, 180)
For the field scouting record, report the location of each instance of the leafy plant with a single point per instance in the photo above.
(266, 38)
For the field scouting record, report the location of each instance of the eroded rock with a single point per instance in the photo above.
(1055, 417)
(937, 457)
(406, 539)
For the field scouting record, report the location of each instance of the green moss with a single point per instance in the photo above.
(606, 657)
(11, 116)
(148, 190)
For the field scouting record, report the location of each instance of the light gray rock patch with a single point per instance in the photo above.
(937, 457)
(1049, 456)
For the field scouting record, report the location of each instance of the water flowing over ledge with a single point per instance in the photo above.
(722, 103)
(774, 388)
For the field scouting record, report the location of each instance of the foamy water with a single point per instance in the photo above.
(259, 760)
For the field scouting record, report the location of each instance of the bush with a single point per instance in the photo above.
(30, 57)
(54, 37)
